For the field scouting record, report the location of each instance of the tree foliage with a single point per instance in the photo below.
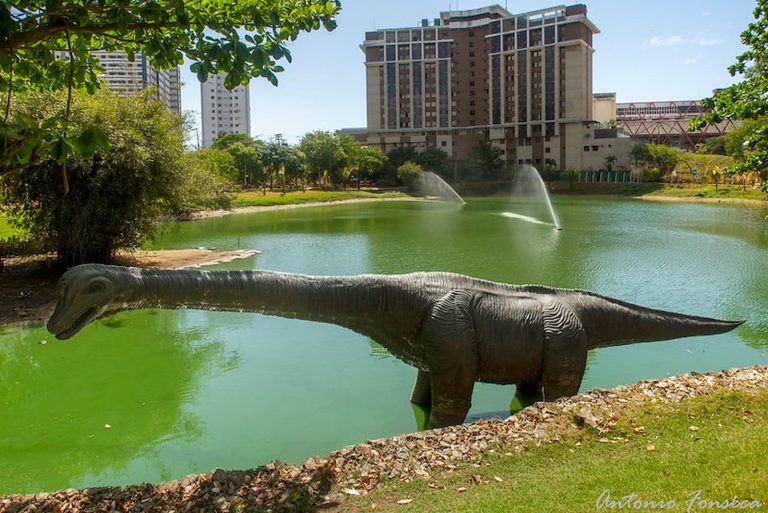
(325, 155)
(486, 158)
(657, 159)
(241, 39)
(748, 99)
(116, 195)
(408, 173)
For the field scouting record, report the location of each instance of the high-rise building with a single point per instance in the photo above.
(224, 111)
(127, 76)
(524, 81)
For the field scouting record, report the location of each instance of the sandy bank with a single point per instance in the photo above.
(696, 199)
(204, 214)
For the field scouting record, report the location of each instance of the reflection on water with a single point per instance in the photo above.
(186, 391)
(57, 399)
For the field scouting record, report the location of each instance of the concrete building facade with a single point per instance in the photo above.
(524, 81)
(125, 76)
(224, 111)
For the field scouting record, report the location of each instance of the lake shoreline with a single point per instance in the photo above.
(355, 470)
(206, 214)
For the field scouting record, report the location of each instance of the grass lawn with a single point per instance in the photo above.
(712, 446)
(257, 199)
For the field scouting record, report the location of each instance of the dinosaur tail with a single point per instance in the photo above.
(612, 322)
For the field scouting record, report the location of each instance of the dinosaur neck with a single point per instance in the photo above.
(373, 305)
(315, 298)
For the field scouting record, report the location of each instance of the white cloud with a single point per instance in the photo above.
(708, 42)
(664, 41)
(692, 59)
(706, 13)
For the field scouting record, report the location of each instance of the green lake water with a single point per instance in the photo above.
(186, 391)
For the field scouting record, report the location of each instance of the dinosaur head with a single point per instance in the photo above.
(85, 293)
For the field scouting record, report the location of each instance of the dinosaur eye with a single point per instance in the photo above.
(95, 287)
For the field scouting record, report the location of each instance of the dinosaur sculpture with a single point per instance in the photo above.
(454, 329)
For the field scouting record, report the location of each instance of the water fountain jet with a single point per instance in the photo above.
(430, 184)
(530, 186)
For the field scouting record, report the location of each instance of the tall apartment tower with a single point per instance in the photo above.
(524, 81)
(224, 111)
(125, 76)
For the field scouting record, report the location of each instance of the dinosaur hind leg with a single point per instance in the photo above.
(565, 360)
(422, 389)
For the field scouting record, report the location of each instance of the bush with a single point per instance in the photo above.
(408, 173)
(116, 196)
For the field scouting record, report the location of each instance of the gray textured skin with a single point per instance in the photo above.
(454, 329)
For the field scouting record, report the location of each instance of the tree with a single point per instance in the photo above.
(549, 171)
(116, 195)
(362, 161)
(240, 38)
(572, 175)
(486, 158)
(658, 159)
(247, 160)
(284, 163)
(325, 155)
(210, 176)
(748, 99)
(408, 173)
(225, 141)
(433, 159)
(610, 161)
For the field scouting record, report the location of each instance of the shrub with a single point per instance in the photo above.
(116, 196)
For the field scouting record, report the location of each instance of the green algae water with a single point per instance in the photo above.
(155, 395)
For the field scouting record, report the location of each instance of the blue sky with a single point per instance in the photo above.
(651, 50)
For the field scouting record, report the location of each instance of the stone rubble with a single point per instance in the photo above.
(357, 469)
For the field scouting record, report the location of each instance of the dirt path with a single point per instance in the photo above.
(28, 285)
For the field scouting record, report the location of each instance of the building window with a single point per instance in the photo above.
(586, 148)
(595, 148)
(547, 150)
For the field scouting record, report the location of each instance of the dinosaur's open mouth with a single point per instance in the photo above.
(78, 324)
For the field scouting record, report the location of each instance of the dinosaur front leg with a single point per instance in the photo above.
(451, 399)
(448, 337)
(422, 389)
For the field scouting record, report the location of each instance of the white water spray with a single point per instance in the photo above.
(429, 184)
(530, 187)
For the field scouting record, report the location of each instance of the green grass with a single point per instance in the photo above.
(257, 199)
(708, 191)
(723, 458)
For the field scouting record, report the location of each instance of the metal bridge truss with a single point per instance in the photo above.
(667, 122)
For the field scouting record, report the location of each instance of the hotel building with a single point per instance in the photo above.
(524, 81)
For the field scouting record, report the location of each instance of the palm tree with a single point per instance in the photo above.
(610, 160)
(487, 158)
